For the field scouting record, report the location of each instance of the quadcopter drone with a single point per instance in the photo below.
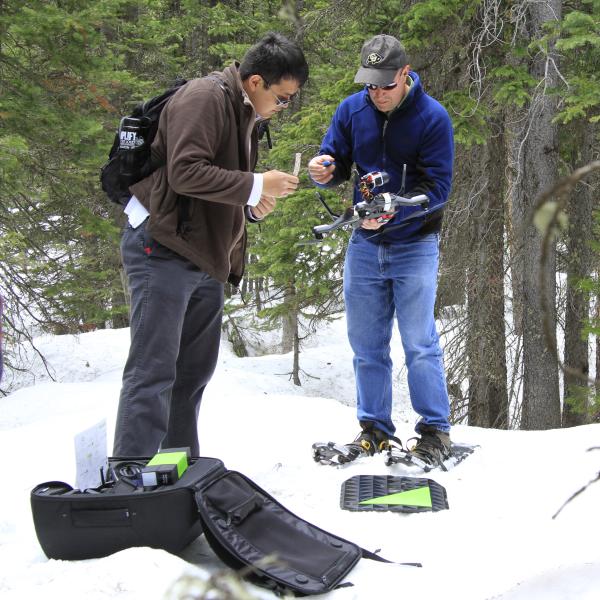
(381, 206)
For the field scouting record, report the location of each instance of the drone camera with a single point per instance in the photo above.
(376, 179)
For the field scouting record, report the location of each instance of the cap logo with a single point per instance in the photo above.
(374, 58)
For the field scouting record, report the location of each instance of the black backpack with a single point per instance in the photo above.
(129, 159)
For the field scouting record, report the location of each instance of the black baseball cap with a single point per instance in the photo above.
(381, 58)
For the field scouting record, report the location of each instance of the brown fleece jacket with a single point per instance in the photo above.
(208, 142)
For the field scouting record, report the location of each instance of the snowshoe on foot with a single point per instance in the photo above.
(433, 447)
(368, 442)
(432, 450)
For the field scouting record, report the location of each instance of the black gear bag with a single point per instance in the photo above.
(244, 525)
(73, 524)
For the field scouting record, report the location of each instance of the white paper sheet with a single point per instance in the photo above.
(90, 455)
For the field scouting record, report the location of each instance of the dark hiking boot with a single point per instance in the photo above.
(433, 447)
(372, 440)
(368, 442)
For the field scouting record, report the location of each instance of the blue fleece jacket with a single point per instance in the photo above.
(418, 133)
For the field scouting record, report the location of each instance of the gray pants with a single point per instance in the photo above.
(176, 312)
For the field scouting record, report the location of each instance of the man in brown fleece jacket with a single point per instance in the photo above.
(187, 236)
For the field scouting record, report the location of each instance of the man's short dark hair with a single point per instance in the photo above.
(275, 58)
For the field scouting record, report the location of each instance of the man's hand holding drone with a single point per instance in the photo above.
(372, 212)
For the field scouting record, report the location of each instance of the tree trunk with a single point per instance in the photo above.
(296, 367)
(575, 399)
(289, 321)
(488, 396)
(290, 339)
(120, 296)
(597, 362)
(537, 166)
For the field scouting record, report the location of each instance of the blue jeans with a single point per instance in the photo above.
(380, 280)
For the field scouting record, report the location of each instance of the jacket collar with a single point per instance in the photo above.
(231, 78)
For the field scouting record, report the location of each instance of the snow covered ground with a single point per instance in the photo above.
(497, 541)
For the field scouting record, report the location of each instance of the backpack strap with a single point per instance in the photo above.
(263, 129)
(374, 556)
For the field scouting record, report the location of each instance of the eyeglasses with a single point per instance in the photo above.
(282, 102)
(385, 88)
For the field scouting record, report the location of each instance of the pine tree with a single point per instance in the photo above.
(63, 83)
(53, 81)
(304, 281)
(579, 45)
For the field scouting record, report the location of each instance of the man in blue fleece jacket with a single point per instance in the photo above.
(392, 125)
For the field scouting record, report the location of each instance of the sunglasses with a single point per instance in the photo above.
(385, 88)
(282, 102)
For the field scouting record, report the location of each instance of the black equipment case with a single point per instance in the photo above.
(244, 525)
(73, 525)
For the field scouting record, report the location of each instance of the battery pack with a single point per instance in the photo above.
(166, 467)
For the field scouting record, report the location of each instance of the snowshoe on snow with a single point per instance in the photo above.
(368, 442)
(330, 453)
(424, 459)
